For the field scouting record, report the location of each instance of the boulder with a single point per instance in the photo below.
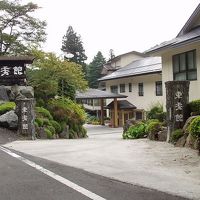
(190, 141)
(162, 135)
(27, 93)
(197, 144)
(181, 141)
(187, 123)
(3, 94)
(9, 120)
(65, 133)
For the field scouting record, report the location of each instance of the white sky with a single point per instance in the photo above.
(121, 25)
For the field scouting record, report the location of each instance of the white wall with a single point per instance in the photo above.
(167, 70)
(141, 102)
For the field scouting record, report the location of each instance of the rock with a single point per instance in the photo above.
(181, 141)
(9, 120)
(187, 123)
(162, 135)
(197, 144)
(41, 133)
(190, 141)
(27, 93)
(3, 94)
(65, 133)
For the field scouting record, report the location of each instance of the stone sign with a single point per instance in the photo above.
(177, 97)
(26, 117)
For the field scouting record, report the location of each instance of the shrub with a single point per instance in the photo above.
(156, 112)
(5, 107)
(67, 110)
(151, 120)
(52, 129)
(153, 127)
(195, 106)
(48, 133)
(56, 125)
(44, 113)
(39, 121)
(36, 124)
(135, 131)
(194, 127)
(178, 133)
(46, 122)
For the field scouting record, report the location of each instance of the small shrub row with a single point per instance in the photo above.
(5, 107)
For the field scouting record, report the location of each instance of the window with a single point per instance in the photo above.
(130, 87)
(114, 89)
(184, 66)
(158, 88)
(122, 88)
(140, 89)
(138, 115)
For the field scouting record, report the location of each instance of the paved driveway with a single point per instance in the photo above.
(156, 165)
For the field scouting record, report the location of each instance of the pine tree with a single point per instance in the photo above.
(94, 70)
(73, 46)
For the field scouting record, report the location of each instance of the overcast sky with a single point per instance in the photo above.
(121, 25)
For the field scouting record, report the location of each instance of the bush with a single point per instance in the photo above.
(5, 107)
(42, 112)
(151, 120)
(52, 129)
(39, 121)
(178, 133)
(46, 122)
(48, 133)
(135, 131)
(153, 127)
(195, 106)
(156, 112)
(56, 125)
(194, 127)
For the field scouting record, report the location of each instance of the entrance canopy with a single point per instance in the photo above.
(122, 104)
(100, 94)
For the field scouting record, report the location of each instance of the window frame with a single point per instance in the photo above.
(122, 88)
(130, 87)
(116, 88)
(140, 89)
(158, 92)
(186, 71)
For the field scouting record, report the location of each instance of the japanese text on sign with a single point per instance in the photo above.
(179, 106)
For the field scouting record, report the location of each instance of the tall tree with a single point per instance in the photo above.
(51, 76)
(94, 70)
(18, 29)
(72, 45)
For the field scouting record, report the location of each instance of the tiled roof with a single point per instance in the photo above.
(121, 104)
(193, 35)
(139, 67)
(97, 94)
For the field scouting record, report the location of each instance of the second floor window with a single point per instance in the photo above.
(140, 89)
(184, 66)
(114, 89)
(130, 87)
(158, 88)
(122, 88)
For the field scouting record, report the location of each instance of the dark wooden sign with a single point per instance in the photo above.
(13, 70)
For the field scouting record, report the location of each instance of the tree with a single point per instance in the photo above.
(18, 29)
(51, 76)
(94, 70)
(73, 46)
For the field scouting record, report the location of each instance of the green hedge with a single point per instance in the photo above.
(135, 131)
(194, 127)
(43, 113)
(178, 133)
(5, 107)
(195, 106)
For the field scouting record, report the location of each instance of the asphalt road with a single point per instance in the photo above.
(19, 181)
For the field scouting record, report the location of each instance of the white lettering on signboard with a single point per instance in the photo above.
(179, 117)
(5, 71)
(25, 126)
(178, 95)
(179, 106)
(17, 70)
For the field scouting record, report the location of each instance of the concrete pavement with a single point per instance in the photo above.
(155, 165)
